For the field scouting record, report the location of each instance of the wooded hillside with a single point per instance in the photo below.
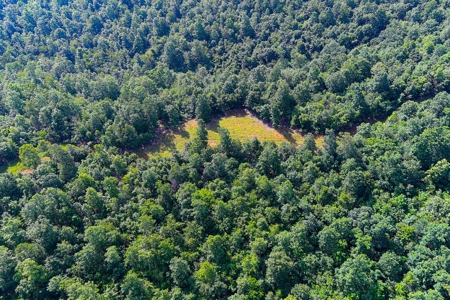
(363, 216)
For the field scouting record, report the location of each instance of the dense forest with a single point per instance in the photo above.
(364, 216)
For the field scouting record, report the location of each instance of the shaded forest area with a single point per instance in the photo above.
(111, 72)
(364, 216)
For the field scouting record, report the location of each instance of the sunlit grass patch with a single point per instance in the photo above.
(14, 167)
(167, 141)
(240, 123)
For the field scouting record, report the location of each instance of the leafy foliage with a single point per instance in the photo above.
(364, 216)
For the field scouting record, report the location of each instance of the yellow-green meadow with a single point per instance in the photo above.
(241, 124)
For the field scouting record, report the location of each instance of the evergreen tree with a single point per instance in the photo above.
(202, 109)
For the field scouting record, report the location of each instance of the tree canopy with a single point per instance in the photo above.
(362, 215)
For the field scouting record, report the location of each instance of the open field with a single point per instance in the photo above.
(241, 124)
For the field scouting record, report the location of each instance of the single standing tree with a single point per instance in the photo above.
(203, 110)
(202, 133)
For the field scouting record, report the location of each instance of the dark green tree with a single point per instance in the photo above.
(203, 109)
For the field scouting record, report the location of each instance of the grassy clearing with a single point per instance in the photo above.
(14, 167)
(241, 125)
(169, 140)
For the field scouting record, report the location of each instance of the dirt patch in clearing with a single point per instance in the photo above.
(27, 172)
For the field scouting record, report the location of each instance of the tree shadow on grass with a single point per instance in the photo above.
(5, 165)
(287, 135)
(213, 125)
(169, 140)
(283, 129)
(164, 141)
(184, 134)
